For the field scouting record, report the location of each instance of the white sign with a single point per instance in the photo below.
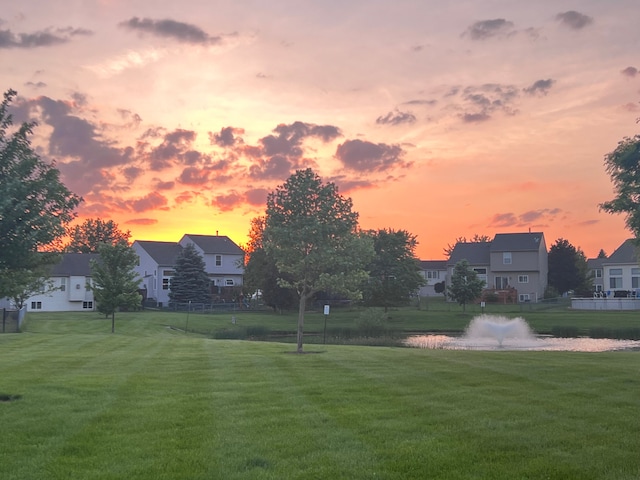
(326, 309)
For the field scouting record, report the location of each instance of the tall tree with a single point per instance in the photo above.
(602, 254)
(88, 236)
(261, 273)
(35, 206)
(114, 281)
(312, 235)
(465, 285)
(623, 166)
(568, 268)
(190, 282)
(394, 271)
(477, 238)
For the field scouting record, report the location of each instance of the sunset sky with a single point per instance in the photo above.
(446, 119)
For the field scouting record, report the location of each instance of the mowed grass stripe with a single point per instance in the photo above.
(156, 404)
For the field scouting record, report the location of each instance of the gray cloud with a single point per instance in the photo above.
(167, 28)
(630, 72)
(540, 87)
(227, 137)
(35, 84)
(512, 220)
(421, 102)
(396, 118)
(363, 156)
(485, 29)
(42, 38)
(574, 20)
(480, 102)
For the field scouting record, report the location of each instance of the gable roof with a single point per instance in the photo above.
(625, 253)
(433, 264)
(74, 264)
(215, 244)
(593, 263)
(163, 253)
(517, 242)
(476, 253)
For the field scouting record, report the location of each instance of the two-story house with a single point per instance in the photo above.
(222, 257)
(433, 271)
(514, 266)
(68, 287)
(621, 271)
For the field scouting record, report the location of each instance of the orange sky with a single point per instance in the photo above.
(446, 120)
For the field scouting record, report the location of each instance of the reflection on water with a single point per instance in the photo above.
(581, 344)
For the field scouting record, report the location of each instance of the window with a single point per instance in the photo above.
(502, 282)
(87, 305)
(481, 273)
(635, 278)
(165, 283)
(506, 258)
(168, 273)
(36, 305)
(615, 278)
(63, 284)
(523, 278)
(218, 260)
(524, 297)
(598, 273)
(229, 282)
(433, 274)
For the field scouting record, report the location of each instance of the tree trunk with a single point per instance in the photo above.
(113, 322)
(301, 309)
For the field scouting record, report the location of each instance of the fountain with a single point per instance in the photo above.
(493, 332)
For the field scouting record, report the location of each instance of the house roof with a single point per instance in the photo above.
(218, 244)
(433, 264)
(593, 263)
(625, 253)
(74, 264)
(476, 253)
(163, 253)
(517, 242)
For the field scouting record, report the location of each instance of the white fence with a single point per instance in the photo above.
(605, 303)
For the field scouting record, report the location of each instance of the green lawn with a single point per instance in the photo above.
(151, 402)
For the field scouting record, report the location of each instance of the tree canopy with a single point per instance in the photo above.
(477, 238)
(465, 285)
(311, 233)
(623, 166)
(114, 281)
(394, 271)
(568, 269)
(35, 206)
(190, 282)
(90, 234)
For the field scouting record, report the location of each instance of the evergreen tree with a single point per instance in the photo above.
(190, 282)
(568, 268)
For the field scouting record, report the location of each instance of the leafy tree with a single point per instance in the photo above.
(190, 282)
(394, 271)
(465, 285)
(114, 281)
(35, 207)
(261, 273)
(477, 238)
(440, 287)
(87, 237)
(568, 268)
(23, 283)
(311, 233)
(623, 166)
(602, 254)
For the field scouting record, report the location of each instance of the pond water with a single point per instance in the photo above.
(489, 332)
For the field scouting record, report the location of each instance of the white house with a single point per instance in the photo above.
(621, 271)
(222, 257)
(70, 290)
(433, 271)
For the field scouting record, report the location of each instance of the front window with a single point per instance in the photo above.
(229, 282)
(36, 305)
(506, 258)
(523, 278)
(87, 305)
(433, 274)
(218, 260)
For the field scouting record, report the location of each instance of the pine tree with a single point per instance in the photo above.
(190, 282)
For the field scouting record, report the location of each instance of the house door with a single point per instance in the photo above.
(502, 283)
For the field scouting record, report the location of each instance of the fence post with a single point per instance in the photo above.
(4, 316)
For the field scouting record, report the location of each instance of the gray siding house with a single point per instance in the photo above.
(222, 257)
(433, 271)
(514, 266)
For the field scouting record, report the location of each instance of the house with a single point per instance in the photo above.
(433, 271)
(596, 271)
(222, 257)
(69, 286)
(514, 266)
(621, 271)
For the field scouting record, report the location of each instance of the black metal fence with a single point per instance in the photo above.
(12, 320)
